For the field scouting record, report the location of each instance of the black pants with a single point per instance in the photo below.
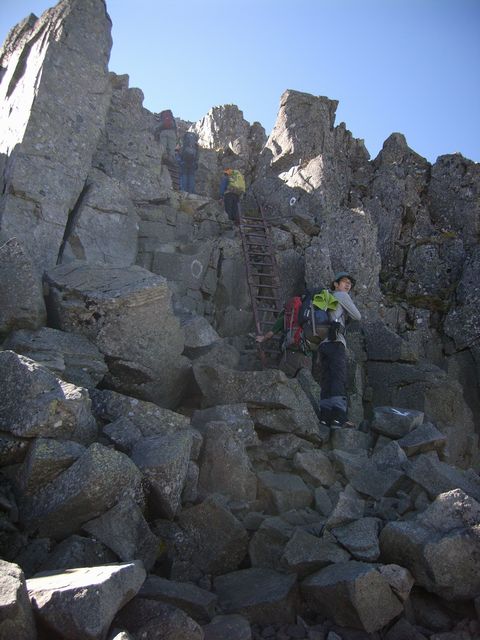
(332, 362)
(230, 201)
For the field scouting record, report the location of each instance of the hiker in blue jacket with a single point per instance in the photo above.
(331, 357)
(189, 159)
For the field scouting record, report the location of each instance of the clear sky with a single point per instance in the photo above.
(411, 66)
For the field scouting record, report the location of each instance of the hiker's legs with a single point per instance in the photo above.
(333, 381)
(231, 206)
(190, 180)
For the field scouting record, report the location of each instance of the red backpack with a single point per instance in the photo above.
(293, 332)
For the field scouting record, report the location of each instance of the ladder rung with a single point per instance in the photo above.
(265, 298)
(265, 286)
(260, 274)
(260, 254)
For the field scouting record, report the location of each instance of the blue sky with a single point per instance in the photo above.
(411, 66)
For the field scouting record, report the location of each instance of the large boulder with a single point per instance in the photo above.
(127, 314)
(280, 492)
(54, 97)
(136, 542)
(354, 593)
(426, 388)
(163, 460)
(261, 595)
(45, 460)
(88, 488)
(441, 546)
(80, 604)
(436, 477)
(276, 403)
(306, 553)
(34, 402)
(147, 417)
(214, 541)
(145, 618)
(224, 464)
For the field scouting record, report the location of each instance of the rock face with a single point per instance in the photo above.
(23, 306)
(169, 486)
(56, 84)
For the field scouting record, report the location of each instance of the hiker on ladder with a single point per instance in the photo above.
(232, 187)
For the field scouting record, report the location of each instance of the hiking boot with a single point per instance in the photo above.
(325, 417)
(340, 419)
(347, 424)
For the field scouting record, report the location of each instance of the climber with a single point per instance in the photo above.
(330, 362)
(232, 187)
(189, 160)
(166, 135)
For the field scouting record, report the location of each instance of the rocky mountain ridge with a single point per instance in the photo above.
(131, 399)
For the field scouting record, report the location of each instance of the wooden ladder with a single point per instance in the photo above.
(263, 280)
